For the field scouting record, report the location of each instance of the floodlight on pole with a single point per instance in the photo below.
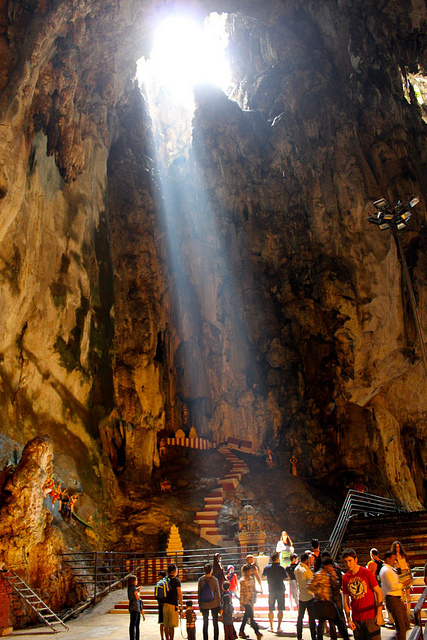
(397, 219)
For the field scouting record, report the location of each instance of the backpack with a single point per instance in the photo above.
(206, 594)
(380, 564)
(161, 589)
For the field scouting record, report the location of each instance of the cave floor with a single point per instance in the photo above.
(97, 622)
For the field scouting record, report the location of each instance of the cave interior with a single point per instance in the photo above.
(184, 291)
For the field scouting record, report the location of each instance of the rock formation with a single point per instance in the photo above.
(242, 279)
(28, 540)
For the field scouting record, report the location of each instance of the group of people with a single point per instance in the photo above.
(354, 598)
(317, 587)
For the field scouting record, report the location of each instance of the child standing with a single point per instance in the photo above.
(227, 612)
(232, 579)
(190, 617)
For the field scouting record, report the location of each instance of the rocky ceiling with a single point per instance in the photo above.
(243, 281)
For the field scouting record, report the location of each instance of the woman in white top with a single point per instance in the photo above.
(285, 548)
(404, 571)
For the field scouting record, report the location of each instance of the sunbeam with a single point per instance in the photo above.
(185, 54)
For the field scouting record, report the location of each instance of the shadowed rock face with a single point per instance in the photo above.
(244, 283)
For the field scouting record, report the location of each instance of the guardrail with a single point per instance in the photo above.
(355, 503)
(417, 610)
(102, 571)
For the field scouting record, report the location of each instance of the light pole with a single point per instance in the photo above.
(397, 219)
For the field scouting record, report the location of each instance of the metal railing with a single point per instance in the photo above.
(417, 610)
(102, 571)
(357, 502)
(417, 633)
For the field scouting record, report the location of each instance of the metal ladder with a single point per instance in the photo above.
(43, 612)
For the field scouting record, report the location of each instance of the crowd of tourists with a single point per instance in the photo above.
(317, 588)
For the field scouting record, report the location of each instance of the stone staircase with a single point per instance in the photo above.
(207, 519)
(380, 531)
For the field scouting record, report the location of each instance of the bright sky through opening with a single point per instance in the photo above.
(186, 53)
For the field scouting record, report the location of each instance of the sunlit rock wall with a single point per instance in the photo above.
(29, 543)
(330, 129)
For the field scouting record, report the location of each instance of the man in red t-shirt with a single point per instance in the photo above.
(363, 597)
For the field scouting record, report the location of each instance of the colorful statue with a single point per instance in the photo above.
(162, 447)
(56, 493)
(72, 502)
(48, 486)
(184, 415)
(165, 486)
(269, 457)
(293, 462)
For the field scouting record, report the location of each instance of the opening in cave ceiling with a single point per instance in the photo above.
(184, 54)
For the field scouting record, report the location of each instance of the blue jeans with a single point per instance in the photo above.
(135, 619)
(249, 614)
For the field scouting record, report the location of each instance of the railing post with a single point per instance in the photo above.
(95, 577)
(111, 572)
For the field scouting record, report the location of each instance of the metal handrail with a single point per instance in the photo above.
(104, 570)
(358, 502)
(418, 607)
(416, 633)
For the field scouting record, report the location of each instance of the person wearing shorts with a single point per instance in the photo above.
(275, 574)
(172, 601)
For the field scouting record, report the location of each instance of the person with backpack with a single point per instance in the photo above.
(160, 590)
(172, 599)
(209, 598)
(375, 564)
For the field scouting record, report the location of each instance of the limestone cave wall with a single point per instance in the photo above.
(242, 279)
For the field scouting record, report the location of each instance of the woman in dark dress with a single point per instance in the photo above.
(218, 570)
(136, 608)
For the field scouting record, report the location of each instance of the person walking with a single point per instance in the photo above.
(363, 599)
(247, 596)
(392, 592)
(250, 560)
(171, 602)
(324, 583)
(304, 575)
(209, 598)
(275, 575)
(136, 608)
